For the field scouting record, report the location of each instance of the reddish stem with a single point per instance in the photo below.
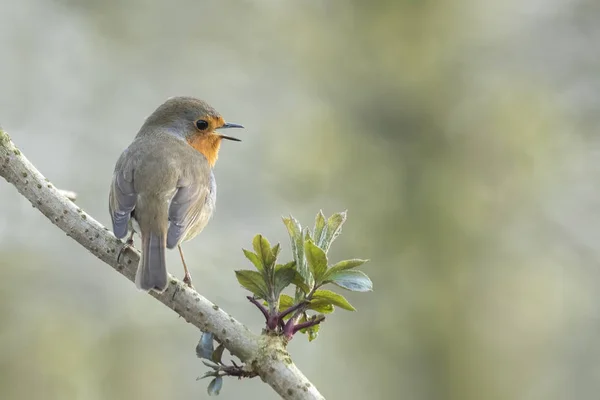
(292, 309)
(260, 306)
(308, 324)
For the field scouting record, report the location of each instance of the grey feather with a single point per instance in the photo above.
(152, 272)
(122, 197)
(190, 210)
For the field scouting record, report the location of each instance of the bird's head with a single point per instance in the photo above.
(195, 121)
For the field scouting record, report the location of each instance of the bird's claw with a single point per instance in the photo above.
(187, 279)
(128, 244)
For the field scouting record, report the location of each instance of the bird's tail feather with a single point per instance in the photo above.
(152, 270)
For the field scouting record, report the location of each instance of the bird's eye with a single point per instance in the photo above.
(201, 124)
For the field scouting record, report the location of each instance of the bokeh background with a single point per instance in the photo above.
(461, 135)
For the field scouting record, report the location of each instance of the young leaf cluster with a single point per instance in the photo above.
(308, 272)
(270, 278)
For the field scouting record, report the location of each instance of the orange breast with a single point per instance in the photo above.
(207, 144)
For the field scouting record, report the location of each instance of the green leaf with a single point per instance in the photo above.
(283, 277)
(344, 265)
(291, 264)
(207, 374)
(354, 280)
(317, 260)
(253, 257)
(307, 234)
(321, 306)
(262, 247)
(253, 281)
(218, 353)
(327, 296)
(285, 302)
(297, 242)
(293, 227)
(210, 364)
(299, 282)
(334, 228)
(313, 332)
(319, 231)
(215, 386)
(275, 250)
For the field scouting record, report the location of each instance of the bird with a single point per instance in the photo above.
(163, 186)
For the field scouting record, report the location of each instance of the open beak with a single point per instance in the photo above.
(230, 125)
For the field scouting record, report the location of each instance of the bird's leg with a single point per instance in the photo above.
(187, 277)
(128, 244)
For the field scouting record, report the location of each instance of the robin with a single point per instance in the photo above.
(163, 185)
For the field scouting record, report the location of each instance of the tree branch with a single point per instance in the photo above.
(264, 354)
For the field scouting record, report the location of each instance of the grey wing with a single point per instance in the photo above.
(122, 197)
(190, 209)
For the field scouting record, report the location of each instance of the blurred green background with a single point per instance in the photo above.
(461, 135)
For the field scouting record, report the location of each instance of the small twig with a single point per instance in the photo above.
(314, 321)
(293, 308)
(262, 308)
(275, 321)
(238, 371)
(290, 328)
(68, 194)
(220, 369)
